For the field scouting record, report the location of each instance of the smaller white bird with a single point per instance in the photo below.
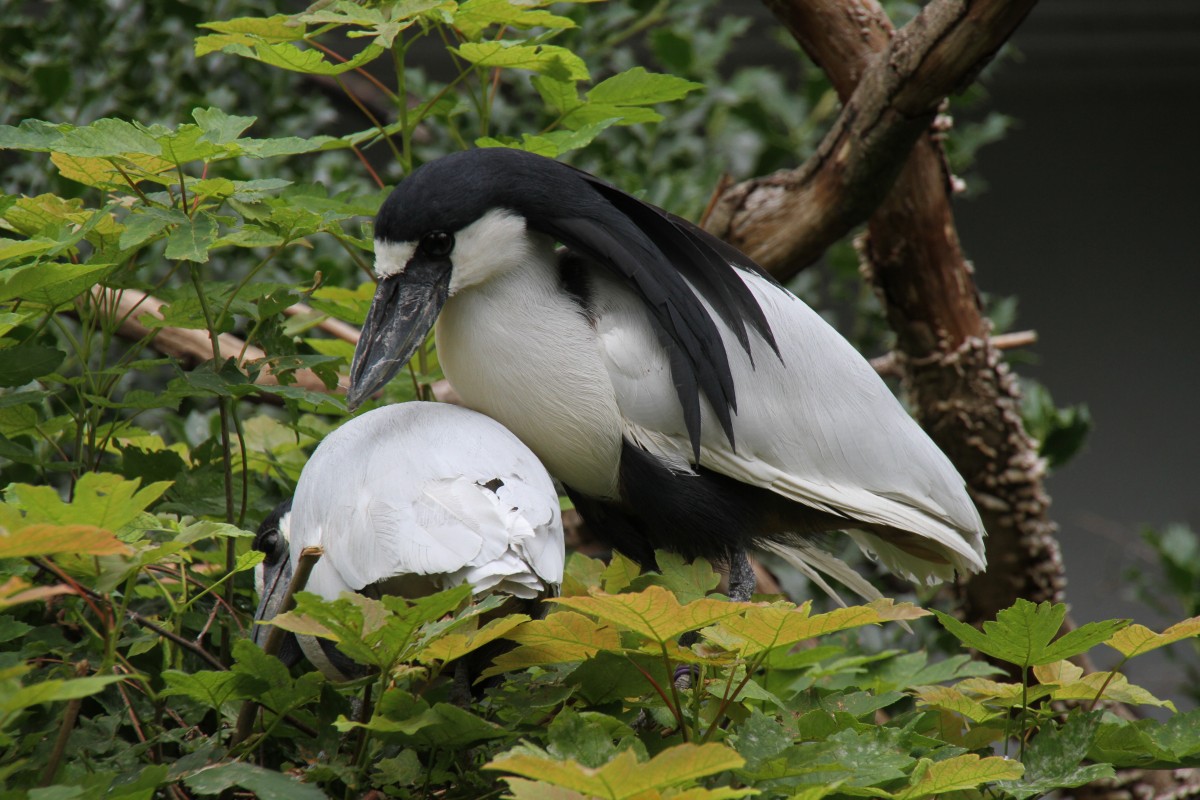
(410, 499)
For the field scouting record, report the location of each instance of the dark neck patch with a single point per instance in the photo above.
(573, 272)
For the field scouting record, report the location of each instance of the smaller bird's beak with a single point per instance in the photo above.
(404, 309)
(275, 581)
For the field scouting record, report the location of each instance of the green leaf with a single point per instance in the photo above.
(147, 223)
(54, 690)
(559, 95)
(51, 284)
(219, 127)
(264, 783)
(637, 87)
(411, 721)
(1054, 759)
(619, 573)
(544, 59)
(247, 30)
(25, 362)
(474, 16)
(191, 240)
(102, 499)
(211, 688)
(1022, 634)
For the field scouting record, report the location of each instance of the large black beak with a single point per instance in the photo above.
(404, 309)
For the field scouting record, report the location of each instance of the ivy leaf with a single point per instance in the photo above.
(1138, 639)
(1022, 634)
(654, 613)
(264, 783)
(559, 638)
(623, 777)
(955, 774)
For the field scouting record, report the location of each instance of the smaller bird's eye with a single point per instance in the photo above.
(268, 542)
(437, 244)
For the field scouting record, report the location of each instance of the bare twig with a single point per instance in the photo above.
(70, 715)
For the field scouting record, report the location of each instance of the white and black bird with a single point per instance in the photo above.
(685, 399)
(410, 499)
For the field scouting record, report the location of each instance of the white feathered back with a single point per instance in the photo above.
(428, 489)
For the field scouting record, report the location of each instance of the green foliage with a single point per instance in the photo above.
(140, 209)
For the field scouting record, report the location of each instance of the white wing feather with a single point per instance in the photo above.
(401, 491)
(817, 425)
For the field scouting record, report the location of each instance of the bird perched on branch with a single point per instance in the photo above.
(410, 499)
(685, 399)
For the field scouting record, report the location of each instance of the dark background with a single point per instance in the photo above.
(1090, 217)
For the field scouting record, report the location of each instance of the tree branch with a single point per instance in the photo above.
(892, 84)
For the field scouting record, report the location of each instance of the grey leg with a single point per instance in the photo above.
(741, 577)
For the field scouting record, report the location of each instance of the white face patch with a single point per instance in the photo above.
(392, 257)
(491, 245)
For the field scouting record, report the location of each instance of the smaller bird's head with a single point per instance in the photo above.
(272, 577)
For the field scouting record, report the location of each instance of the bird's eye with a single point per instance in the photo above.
(437, 244)
(267, 542)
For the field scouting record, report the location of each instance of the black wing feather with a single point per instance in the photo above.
(703, 259)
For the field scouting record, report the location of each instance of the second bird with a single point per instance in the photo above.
(686, 400)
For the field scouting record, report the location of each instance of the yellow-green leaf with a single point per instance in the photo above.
(951, 699)
(457, 645)
(619, 573)
(45, 540)
(559, 638)
(623, 777)
(1138, 639)
(544, 59)
(783, 624)
(961, 772)
(15, 591)
(654, 613)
